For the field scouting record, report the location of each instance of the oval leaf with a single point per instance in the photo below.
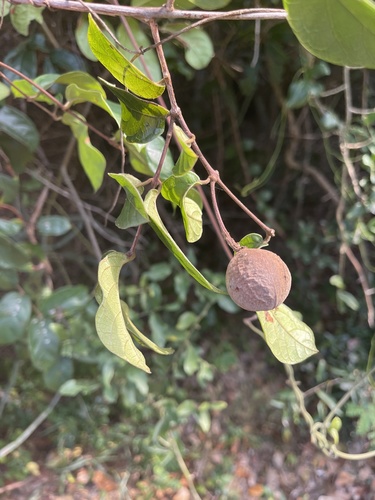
(133, 213)
(109, 319)
(138, 335)
(123, 70)
(44, 345)
(141, 121)
(157, 225)
(53, 225)
(341, 32)
(15, 312)
(290, 339)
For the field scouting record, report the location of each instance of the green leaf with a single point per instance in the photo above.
(340, 32)
(91, 159)
(22, 88)
(4, 91)
(9, 187)
(81, 37)
(133, 213)
(22, 15)
(192, 218)
(145, 158)
(187, 158)
(141, 120)
(290, 339)
(53, 225)
(138, 335)
(23, 59)
(15, 313)
(8, 279)
(68, 299)
(123, 70)
(300, 91)
(191, 361)
(59, 373)
(197, 44)
(11, 227)
(109, 320)
(157, 225)
(149, 57)
(44, 345)
(74, 387)
(252, 240)
(19, 126)
(12, 256)
(175, 187)
(186, 320)
(211, 4)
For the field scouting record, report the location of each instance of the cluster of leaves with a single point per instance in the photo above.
(55, 326)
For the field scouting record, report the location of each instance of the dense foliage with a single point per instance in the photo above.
(287, 136)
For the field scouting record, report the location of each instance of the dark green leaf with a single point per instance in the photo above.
(53, 225)
(23, 59)
(12, 256)
(109, 320)
(44, 345)
(68, 299)
(341, 32)
(9, 187)
(299, 93)
(162, 232)
(141, 121)
(60, 372)
(19, 126)
(123, 70)
(133, 213)
(8, 279)
(67, 61)
(15, 312)
(91, 159)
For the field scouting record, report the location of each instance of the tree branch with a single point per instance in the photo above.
(148, 13)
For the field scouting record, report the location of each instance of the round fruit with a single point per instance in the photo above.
(257, 279)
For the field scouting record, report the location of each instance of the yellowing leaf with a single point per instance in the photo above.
(109, 319)
(290, 339)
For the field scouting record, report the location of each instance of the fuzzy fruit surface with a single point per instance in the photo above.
(257, 279)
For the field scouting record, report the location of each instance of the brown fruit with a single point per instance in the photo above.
(257, 279)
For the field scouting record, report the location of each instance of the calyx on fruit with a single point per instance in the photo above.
(257, 279)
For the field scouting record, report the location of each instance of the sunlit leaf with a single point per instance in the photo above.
(175, 187)
(290, 339)
(4, 91)
(162, 232)
(133, 212)
(141, 121)
(341, 32)
(91, 159)
(15, 312)
(192, 218)
(187, 158)
(144, 158)
(252, 240)
(149, 57)
(109, 320)
(138, 335)
(122, 69)
(22, 88)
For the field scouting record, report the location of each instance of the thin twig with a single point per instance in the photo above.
(148, 13)
(10, 447)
